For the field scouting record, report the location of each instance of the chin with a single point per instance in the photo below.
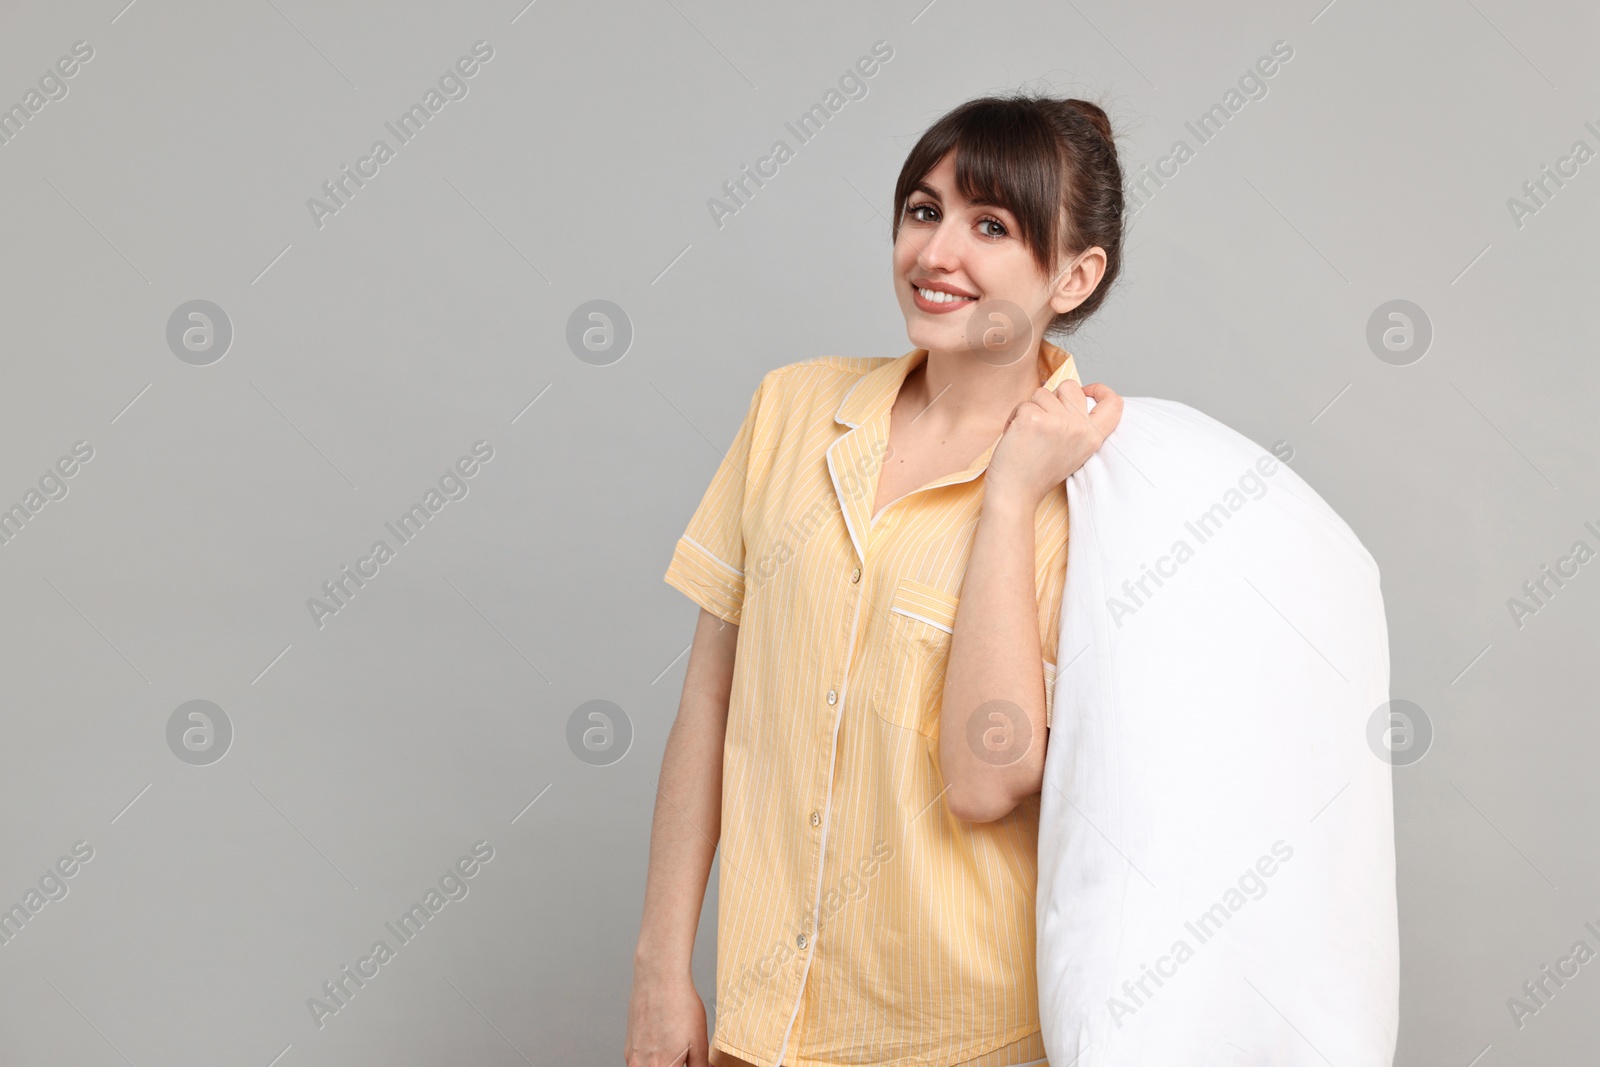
(944, 336)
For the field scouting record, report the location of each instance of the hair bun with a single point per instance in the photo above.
(1096, 117)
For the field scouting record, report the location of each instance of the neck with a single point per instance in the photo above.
(971, 390)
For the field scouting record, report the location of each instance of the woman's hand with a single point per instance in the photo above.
(1048, 437)
(666, 1022)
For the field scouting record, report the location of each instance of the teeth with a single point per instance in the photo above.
(940, 298)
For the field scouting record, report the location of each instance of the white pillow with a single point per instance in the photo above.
(1216, 837)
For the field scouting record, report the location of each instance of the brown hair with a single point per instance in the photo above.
(1051, 162)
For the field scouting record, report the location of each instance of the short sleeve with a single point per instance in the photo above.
(708, 562)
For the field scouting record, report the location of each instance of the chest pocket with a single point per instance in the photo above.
(920, 623)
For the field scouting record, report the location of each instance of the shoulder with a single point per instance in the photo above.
(814, 386)
(793, 404)
(794, 401)
(822, 371)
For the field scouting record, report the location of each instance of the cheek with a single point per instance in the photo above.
(905, 252)
(1008, 277)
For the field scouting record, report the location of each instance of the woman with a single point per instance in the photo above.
(879, 563)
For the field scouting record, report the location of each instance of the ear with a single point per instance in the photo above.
(1078, 281)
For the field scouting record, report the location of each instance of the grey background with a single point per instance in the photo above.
(433, 711)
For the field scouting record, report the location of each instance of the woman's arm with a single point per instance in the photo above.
(666, 1015)
(991, 724)
(996, 674)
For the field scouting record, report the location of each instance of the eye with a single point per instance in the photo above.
(913, 211)
(990, 220)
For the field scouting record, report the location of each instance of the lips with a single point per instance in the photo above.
(950, 298)
(942, 287)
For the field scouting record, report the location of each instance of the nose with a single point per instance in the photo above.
(938, 253)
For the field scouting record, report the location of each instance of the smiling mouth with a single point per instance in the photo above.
(937, 302)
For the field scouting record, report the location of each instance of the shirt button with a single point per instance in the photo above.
(833, 698)
(855, 575)
(801, 940)
(816, 817)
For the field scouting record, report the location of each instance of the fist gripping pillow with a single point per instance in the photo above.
(1216, 837)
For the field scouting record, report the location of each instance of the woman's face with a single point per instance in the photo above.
(972, 255)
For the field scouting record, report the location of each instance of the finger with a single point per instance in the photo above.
(1071, 395)
(1100, 392)
(1107, 409)
(1048, 400)
(1069, 389)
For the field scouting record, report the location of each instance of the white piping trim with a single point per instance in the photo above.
(930, 622)
(833, 476)
(838, 412)
(827, 823)
(731, 569)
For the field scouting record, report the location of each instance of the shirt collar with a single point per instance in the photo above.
(874, 392)
(854, 459)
